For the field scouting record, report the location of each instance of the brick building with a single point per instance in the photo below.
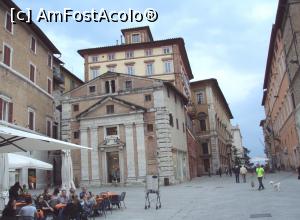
(211, 120)
(279, 98)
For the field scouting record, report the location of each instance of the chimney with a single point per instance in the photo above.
(121, 39)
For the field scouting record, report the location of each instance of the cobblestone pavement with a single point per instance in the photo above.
(213, 198)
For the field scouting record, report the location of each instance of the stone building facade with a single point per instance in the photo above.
(135, 125)
(237, 142)
(211, 120)
(281, 137)
(26, 78)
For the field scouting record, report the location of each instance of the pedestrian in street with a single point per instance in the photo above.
(260, 174)
(220, 171)
(243, 172)
(237, 174)
(299, 173)
(226, 171)
(230, 171)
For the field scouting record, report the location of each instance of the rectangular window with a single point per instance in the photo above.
(177, 123)
(167, 50)
(111, 56)
(94, 59)
(130, 69)
(128, 85)
(150, 127)
(168, 66)
(50, 60)
(31, 119)
(75, 107)
(92, 89)
(202, 124)
(135, 38)
(33, 44)
(48, 127)
(55, 130)
(147, 98)
(95, 72)
(7, 56)
(110, 109)
(204, 148)
(32, 72)
(113, 86)
(129, 54)
(171, 120)
(111, 131)
(148, 52)
(107, 87)
(149, 69)
(8, 23)
(49, 81)
(200, 97)
(6, 110)
(76, 134)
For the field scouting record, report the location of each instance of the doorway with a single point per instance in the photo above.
(113, 167)
(206, 165)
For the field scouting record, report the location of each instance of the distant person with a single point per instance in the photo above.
(226, 171)
(14, 191)
(220, 171)
(243, 172)
(63, 198)
(25, 189)
(237, 174)
(299, 173)
(260, 174)
(29, 210)
(10, 210)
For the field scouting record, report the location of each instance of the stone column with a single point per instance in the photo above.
(104, 165)
(94, 157)
(130, 152)
(121, 163)
(84, 157)
(140, 139)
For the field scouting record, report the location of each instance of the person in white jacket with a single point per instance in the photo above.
(243, 172)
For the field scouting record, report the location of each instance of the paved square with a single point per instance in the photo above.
(215, 198)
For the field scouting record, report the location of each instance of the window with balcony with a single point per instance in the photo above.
(110, 109)
(7, 55)
(205, 148)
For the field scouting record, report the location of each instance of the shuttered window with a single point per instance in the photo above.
(32, 73)
(49, 86)
(6, 111)
(7, 56)
(31, 120)
(8, 24)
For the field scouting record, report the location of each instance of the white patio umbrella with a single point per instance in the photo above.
(67, 170)
(4, 179)
(17, 161)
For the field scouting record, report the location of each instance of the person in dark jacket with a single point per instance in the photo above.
(14, 191)
(237, 174)
(299, 173)
(10, 211)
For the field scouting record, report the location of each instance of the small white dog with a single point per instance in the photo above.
(276, 186)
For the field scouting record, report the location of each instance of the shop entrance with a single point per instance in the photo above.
(113, 167)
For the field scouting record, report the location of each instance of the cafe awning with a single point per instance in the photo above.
(17, 140)
(17, 161)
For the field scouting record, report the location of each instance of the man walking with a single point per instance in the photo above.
(237, 174)
(260, 174)
(243, 173)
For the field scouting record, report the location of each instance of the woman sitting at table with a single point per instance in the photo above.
(87, 202)
(72, 210)
(9, 213)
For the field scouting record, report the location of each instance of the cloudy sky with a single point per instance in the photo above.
(225, 39)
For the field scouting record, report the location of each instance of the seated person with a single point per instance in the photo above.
(87, 203)
(84, 191)
(72, 209)
(9, 212)
(54, 200)
(43, 205)
(29, 210)
(25, 190)
(46, 195)
(63, 198)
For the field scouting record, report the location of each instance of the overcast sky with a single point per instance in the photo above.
(225, 39)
